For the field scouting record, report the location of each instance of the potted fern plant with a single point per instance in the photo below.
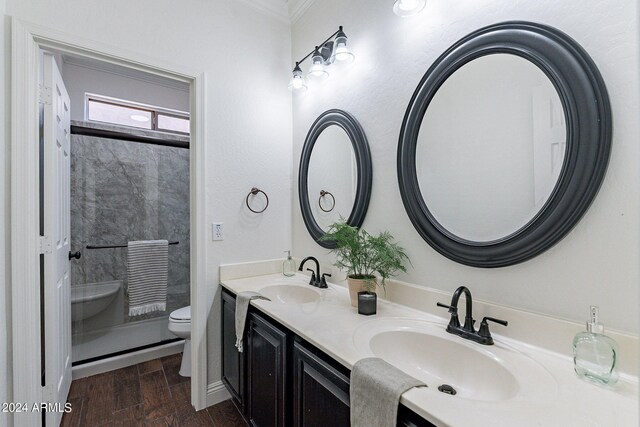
(364, 257)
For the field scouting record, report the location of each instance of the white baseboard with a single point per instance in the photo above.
(216, 393)
(124, 360)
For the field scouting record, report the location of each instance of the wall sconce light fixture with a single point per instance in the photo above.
(317, 69)
(297, 81)
(406, 8)
(333, 49)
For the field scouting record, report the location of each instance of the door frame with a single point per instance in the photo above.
(26, 40)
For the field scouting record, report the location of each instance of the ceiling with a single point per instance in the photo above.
(286, 10)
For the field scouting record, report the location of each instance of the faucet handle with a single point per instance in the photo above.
(313, 277)
(484, 327)
(453, 322)
(323, 281)
(493, 319)
(451, 309)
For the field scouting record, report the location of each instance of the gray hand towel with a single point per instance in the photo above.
(242, 306)
(375, 391)
(147, 272)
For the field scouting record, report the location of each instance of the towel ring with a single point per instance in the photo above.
(254, 191)
(333, 201)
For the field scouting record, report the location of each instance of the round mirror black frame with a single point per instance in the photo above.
(363, 163)
(588, 123)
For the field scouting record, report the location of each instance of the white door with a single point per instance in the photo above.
(57, 292)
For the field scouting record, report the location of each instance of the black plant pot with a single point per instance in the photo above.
(367, 303)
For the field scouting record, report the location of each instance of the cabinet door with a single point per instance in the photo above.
(267, 376)
(233, 372)
(408, 418)
(320, 392)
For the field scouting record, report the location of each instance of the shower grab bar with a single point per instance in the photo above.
(117, 246)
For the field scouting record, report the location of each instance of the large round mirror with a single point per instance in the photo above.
(334, 179)
(504, 144)
(484, 185)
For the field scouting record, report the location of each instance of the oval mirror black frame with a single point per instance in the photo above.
(588, 123)
(364, 173)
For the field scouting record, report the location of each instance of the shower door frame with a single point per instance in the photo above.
(26, 41)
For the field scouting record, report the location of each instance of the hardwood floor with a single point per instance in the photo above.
(148, 394)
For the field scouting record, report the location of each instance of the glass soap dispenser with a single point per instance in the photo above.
(594, 354)
(289, 266)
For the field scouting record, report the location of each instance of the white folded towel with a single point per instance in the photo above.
(147, 268)
(242, 306)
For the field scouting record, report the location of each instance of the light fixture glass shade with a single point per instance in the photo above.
(297, 82)
(406, 8)
(341, 52)
(317, 69)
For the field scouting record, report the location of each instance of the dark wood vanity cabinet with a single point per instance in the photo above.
(281, 381)
(408, 418)
(232, 361)
(320, 391)
(267, 390)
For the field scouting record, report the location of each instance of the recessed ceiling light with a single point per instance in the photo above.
(139, 118)
(406, 8)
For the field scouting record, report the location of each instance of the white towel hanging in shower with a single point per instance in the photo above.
(147, 270)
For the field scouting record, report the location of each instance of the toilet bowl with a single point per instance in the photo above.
(180, 325)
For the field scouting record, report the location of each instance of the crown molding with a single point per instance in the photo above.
(275, 8)
(287, 11)
(297, 8)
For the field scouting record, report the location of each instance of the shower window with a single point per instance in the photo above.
(128, 113)
(99, 111)
(169, 123)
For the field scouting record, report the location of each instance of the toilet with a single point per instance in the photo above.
(180, 325)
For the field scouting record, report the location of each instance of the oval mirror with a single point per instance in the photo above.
(334, 178)
(331, 177)
(504, 144)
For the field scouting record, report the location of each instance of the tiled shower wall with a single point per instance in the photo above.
(122, 191)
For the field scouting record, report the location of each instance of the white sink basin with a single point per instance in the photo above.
(427, 352)
(291, 294)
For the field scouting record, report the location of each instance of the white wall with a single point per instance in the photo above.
(5, 242)
(81, 79)
(597, 263)
(248, 108)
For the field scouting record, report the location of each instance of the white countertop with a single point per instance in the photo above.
(329, 323)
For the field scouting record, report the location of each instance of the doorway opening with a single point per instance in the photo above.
(128, 182)
(115, 192)
(30, 248)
